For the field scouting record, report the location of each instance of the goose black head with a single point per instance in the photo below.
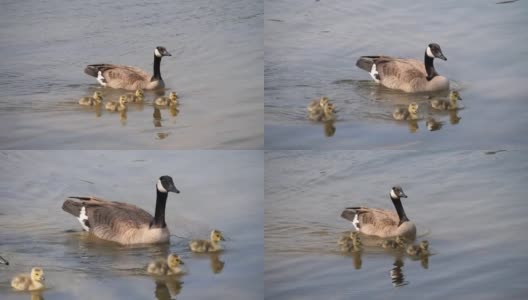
(165, 185)
(397, 192)
(433, 50)
(161, 51)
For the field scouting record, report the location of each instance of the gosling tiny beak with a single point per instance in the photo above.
(222, 238)
(42, 278)
(181, 262)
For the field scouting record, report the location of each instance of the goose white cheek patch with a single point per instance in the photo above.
(156, 52)
(83, 217)
(393, 195)
(160, 187)
(429, 52)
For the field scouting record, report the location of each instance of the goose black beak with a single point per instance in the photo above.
(441, 56)
(402, 195)
(166, 53)
(173, 189)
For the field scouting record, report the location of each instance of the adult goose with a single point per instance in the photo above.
(127, 77)
(121, 222)
(408, 75)
(380, 222)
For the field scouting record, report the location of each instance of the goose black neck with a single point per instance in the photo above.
(429, 67)
(399, 209)
(159, 214)
(157, 73)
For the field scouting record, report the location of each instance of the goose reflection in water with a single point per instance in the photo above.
(396, 274)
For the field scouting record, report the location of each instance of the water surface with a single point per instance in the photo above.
(470, 206)
(215, 67)
(311, 48)
(220, 189)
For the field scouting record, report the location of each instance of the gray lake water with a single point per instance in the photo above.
(311, 48)
(216, 68)
(220, 189)
(469, 205)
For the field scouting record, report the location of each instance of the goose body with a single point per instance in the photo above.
(165, 101)
(171, 266)
(410, 113)
(128, 77)
(29, 282)
(213, 245)
(121, 222)
(96, 99)
(381, 222)
(408, 75)
(452, 104)
(119, 105)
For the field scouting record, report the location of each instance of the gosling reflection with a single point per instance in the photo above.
(123, 117)
(432, 124)
(157, 117)
(413, 126)
(167, 289)
(37, 295)
(453, 117)
(216, 264)
(352, 244)
(396, 274)
(329, 128)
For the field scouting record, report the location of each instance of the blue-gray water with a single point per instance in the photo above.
(220, 189)
(469, 205)
(216, 68)
(311, 48)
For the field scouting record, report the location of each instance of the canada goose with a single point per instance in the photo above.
(127, 77)
(120, 105)
(419, 250)
(381, 222)
(164, 101)
(317, 105)
(4, 261)
(409, 113)
(399, 242)
(171, 266)
(137, 97)
(121, 222)
(96, 99)
(454, 96)
(408, 75)
(208, 246)
(433, 124)
(29, 282)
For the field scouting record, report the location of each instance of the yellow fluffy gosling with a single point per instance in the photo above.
(120, 105)
(419, 250)
(172, 266)
(165, 101)
(208, 246)
(137, 97)
(29, 282)
(410, 113)
(96, 99)
(454, 96)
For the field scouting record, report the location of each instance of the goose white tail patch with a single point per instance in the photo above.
(374, 73)
(83, 219)
(160, 187)
(355, 222)
(429, 52)
(101, 79)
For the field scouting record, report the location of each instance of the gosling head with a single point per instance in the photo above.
(454, 96)
(123, 100)
(424, 244)
(434, 51)
(160, 51)
(397, 193)
(165, 185)
(173, 260)
(139, 93)
(216, 236)
(98, 95)
(413, 108)
(400, 240)
(354, 235)
(37, 274)
(323, 101)
(173, 96)
(329, 108)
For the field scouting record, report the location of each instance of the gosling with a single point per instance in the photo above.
(137, 97)
(411, 113)
(347, 238)
(317, 105)
(117, 106)
(208, 246)
(173, 266)
(353, 244)
(325, 114)
(165, 101)
(96, 99)
(29, 282)
(454, 96)
(419, 250)
(394, 244)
